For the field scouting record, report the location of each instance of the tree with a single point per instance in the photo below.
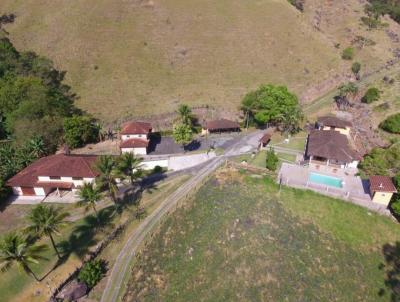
(80, 130)
(345, 91)
(272, 104)
(272, 160)
(89, 196)
(185, 114)
(349, 89)
(47, 221)
(381, 161)
(395, 204)
(106, 165)
(377, 8)
(356, 68)
(92, 272)
(36, 147)
(128, 165)
(372, 95)
(182, 134)
(348, 53)
(16, 250)
(391, 124)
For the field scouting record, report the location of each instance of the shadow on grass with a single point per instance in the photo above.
(391, 253)
(83, 235)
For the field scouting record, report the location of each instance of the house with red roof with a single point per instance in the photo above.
(219, 126)
(135, 137)
(58, 172)
(382, 189)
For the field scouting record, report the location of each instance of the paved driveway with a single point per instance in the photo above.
(166, 144)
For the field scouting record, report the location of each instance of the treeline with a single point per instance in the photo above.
(377, 8)
(37, 111)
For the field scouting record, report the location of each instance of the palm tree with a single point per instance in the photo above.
(128, 165)
(36, 146)
(89, 195)
(15, 249)
(185, 114)
(106, 166)
(46, 221)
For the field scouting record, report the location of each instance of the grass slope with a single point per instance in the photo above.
(143, 57)
(241, 240)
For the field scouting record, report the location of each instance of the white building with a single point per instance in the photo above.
(135, 137)
(59, 172)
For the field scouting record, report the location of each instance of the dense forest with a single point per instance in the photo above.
(35, 106)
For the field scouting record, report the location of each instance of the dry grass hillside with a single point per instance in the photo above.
(135, 57)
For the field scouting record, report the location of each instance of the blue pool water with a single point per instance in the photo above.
(325, 180)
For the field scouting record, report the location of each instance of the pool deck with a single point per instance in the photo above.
(354, 188)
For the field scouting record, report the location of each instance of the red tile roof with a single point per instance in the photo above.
(332, 121)
(381, 184)
(331, 145)
(134, 143)
(136, 128)
(221, 124)
(58, 165)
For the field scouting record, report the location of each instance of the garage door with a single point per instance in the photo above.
(28, 191)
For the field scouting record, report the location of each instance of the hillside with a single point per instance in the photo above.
(136, 57)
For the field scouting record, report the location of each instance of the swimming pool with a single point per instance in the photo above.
(325, 180)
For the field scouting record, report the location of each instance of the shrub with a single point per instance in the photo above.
(92, 272)
(381, 161)
(158, 169)
(391, 124)
(395, 205)
(372, 22)
(355, 68)
(348, 53)
(80, 130)
(272, 160)
(372, 95)
(299, 4)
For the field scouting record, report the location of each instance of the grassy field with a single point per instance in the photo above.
(241, 239)
(144, 57)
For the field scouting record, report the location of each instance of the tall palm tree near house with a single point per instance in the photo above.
(47, 221)
(129, 166)
(185, 114)
(106, 165)
(89, 196)
(16, 250)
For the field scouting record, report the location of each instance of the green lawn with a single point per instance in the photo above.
(75, 240)
(296, 142)
(240, 239)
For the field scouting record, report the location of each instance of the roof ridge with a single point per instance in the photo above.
(87, 165)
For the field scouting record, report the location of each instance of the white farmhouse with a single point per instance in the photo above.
(58, 172)
(135, 137)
